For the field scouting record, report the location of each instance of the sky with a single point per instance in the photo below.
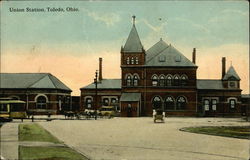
(68, 44)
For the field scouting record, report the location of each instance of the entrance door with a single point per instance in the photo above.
(129, 110)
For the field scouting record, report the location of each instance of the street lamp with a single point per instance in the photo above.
(95, 81)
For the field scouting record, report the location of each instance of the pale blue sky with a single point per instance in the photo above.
(189, 23)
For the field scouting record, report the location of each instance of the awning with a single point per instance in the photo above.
(130, 97)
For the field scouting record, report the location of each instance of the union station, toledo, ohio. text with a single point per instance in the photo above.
(47, 9)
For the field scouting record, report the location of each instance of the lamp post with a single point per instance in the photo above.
(95, 81)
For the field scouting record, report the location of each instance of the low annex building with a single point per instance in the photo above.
(40, 91)
(162, 77)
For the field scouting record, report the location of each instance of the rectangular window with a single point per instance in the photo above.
(214, 104)
(206, 105)
(232, 103)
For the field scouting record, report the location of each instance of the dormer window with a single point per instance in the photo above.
(128, 60)
(162, 58)
(177, 58)
(132, 60)
(136, 60)
(232, 84)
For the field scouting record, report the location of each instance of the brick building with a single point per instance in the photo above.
(162, 77)
(40, 91)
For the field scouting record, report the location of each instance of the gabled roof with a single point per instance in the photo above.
(212, 84)
(105, 84)
(162, 54)
(231, 73)
(133, 43)
(209, 84)
(31, 80)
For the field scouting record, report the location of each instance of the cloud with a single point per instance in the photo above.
(232, 11)
(154, 28)
(191, 24)
(108, 18)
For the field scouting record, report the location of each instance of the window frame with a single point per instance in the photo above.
(154, 80)
(181, 105)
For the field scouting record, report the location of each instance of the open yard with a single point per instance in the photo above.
(142, 139)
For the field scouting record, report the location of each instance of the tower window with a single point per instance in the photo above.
(136, 60)
(135, 79)
(128, 80)
(128, 60)
(132, 60)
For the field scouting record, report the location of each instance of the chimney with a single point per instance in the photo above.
(194, 55)
(223, 66)
(100, 69)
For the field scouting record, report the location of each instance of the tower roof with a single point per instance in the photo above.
(162, 54)
(133, 43)
(231, 73)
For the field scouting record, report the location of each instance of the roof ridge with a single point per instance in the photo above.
(158, 53)
(38, 80)
(49, 75)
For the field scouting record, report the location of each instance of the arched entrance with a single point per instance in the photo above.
(157, 102)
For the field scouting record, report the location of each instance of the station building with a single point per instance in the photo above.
(162, 77)
(40, 91)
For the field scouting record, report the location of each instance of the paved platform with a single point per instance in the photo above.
(9, 141)
(141, 139)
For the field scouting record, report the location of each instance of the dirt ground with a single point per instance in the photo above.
(141, 139)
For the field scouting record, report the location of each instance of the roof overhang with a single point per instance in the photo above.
(130, 97)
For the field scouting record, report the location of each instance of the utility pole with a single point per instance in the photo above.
(95, 81)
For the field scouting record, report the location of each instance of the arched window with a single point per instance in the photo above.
(169, 103)
(128, 80)
(132, 60)
(162, 80)
(169, 80)
(88, 102)
(128, 60)
(176, 80)
(136, 60)
(154, 80)
(181, 103)
(135, 80)
(105, 101)
(157, 102)
(41, 102)
(184, 80)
